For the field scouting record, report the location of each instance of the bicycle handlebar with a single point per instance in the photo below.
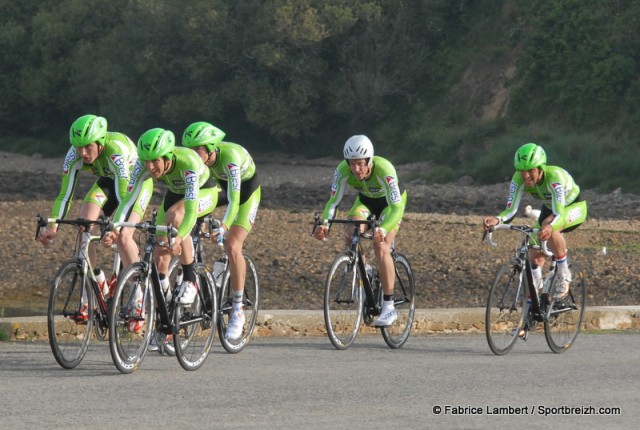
(213, 224)
(42, 222)
(525, 229)
(319, 221)
(145, 226)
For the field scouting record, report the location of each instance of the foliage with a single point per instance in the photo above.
(303, 75)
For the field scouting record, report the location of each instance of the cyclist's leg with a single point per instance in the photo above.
(127, 246)
(91, 208)
(234, 241)
(233, 244)
(382, 252)
(173, 211)
(576, 214)
(358, 211)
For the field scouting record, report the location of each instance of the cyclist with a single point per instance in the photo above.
(235, 170)
(562, 208)
(110, 156)
(190, 194)
(379, 194)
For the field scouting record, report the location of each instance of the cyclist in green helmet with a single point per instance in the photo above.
(110, 156)
(232, 166)
(190, 194)
(562, 208)
(376, 181)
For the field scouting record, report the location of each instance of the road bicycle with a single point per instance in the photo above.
(77, 303)
(353, 296)
(139, 298)
(222, 277)
(515, 306)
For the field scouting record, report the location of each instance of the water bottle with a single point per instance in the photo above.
(102, 282)
(178, 283)
(369, 271)
(164, 284)
(218, 271)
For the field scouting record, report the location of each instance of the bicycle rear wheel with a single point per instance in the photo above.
(69, 294)
(195, 324)
(343, 302)
(505, 315)
(250, 302)
(131, 319)
(404, 292)
(564, 316)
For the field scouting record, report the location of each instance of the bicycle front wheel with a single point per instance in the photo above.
(70, 314)
(404, 292)
(564, 316)
(505, 309)
(195, 324)
(343, 302)
(250, 303)
(131, 319)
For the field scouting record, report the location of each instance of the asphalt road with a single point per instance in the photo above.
(444, 381)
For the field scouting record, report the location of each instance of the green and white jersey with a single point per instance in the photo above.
(382, 183)
(188, 173)
(233, 166)
(116, 161)
(557, 190)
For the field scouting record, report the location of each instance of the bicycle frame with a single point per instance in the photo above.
(150, 270)
(536, 305)
(373, 295)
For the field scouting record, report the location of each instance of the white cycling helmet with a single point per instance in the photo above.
(358, 147)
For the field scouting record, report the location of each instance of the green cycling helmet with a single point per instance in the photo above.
(88, 129)
(156, 143)
(202, 134)
(529, 156)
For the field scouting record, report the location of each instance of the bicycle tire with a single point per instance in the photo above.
(504, 314)
(343, 302)
(397, 334)
(195, 324)
(564, 317)
(250, 302)
(129, 325)
(69, 340)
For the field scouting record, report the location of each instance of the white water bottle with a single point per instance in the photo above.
(164, 284)
(102, 282)
(369, 271)
(218, 271)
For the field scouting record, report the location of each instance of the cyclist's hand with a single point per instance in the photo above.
(320, 232)
(217, 235)
(176, 247)
(489, 222)
(379, 234)
(109, 239)
(47, 236)
(545, 232)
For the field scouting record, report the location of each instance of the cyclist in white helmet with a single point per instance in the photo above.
(379, 195)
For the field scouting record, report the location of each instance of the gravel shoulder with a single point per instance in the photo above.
(440, 234)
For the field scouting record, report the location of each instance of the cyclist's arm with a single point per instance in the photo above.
(557, 181)
(231, 164)
(70, 169)
(388, 180)
(516, 189)
(340, 178)
(190, 207)
(138, 175)
(118, 155)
